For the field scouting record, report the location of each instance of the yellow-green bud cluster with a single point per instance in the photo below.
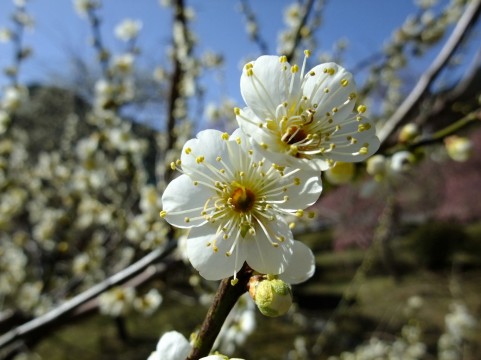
(272, 296)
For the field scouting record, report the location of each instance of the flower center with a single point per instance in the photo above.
(242, 199)
(293, 135)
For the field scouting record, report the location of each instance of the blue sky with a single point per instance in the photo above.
(219, 27)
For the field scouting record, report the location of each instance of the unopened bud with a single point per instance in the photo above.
(272, 296)
(402, 161)
(376, 166)
(458, 148)
(340, 173)
(408, 133)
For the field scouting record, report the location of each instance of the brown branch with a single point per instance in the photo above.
(225, 299)
(36, 327)
(176, 77)
(306, 11)
(462, 28)
(444, 101)
(255, 36)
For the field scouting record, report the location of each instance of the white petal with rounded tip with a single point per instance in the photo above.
(268, 87)
(182, 195)
(210, 145)
(210, 264)
(262, 256)
(301, 266)
(315, 86)
(173, 346)
(311, 186)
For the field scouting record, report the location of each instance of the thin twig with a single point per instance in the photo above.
(255, 35)
(444, 100)
(35, 326)
(462, 28)
(305, 14)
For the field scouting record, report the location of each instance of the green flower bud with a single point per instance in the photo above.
(272, 296)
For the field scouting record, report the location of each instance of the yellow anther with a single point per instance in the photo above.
(233, 282)
(283, 59)
(335, 110)
(249, 72)
(326, 90)
(215, 248)
(299, 213)
(218, 158)
(312, 73)
(292, 225)
(178, 162)
(352, 96)
(188, 150)
(172, 166)
(344, 82)
(249, 66)
(225, 136)
(271, 124)
(293, 150)
(264, 146)
(297, 181)
(311, 214)
(199, 159)
(238, 140)
(163, 214)
(195, 183)
(237, 111)
(228, 253)
(361, 109)
(363, 150)
(241, 173)
(294, 68)
(363, 127)
(187, 220)
(307, 53)
(330, 71)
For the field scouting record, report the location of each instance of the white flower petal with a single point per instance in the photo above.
(265, 258)
(183, 200)
(267, 87)
(213, 265)
(311, 186)
(325, 88)
(173, 346)
(301, 266)
(207, 144)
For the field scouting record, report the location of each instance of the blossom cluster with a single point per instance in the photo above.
(237, 190)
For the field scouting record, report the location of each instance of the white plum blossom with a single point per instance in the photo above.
(234, 202)
(82, 7)
(117, 301)
(307, 119)
(174, 346)
(171, 346)
(128, 29)
(14, 97)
